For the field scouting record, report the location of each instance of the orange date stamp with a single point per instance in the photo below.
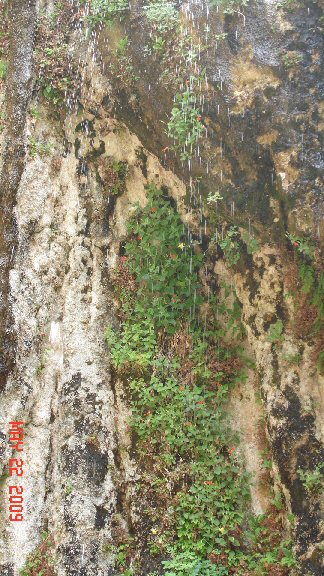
(16, 470)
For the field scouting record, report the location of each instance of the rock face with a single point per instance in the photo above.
(71, 201)
(22, 28)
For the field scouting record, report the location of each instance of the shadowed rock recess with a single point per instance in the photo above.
(162, 287)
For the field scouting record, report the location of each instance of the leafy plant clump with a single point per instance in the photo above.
(121, 65)
(214, 197)
(312, 480)
(291, 59)
(4, 39)
(112, 175)
(302, 245)
(37, 148)
(275, 332)
(230, 245)
(185, 126)
(252, 243)
(164, 20)
(58, 78)
(193, 488)
(163, 15)
(105, 11)
(3, 69)
(229, 6)
(231, 242)
(309, 295)
(42, 561)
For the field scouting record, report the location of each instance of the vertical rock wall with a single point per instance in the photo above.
(21, 18)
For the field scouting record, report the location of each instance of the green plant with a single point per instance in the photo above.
(266, 461)
(312, 480)
(121, 65)
(115, 174)
(50, 51)
(41, 365)
(3, 69)
(277, 501)
(302, 245)
(108, 548)
(105, 11)
(275, 332)
(288, 557)
(178, 377)
(320, 362)
(137, 343)
(307, 276)
(214, 197)
(219, 37)
(122, 554)
(252, 244)
(3, 121)
(291, 518)
(42, 560)
(287, 4)
(160, 263)
(37, 148)
(123, 45)
(275, 28)
(4, 476)
(159, 44)
(159, 259)
(292, 358)
(184, 126)
(68, 488)
(230, 245)
(55, 13)
(58, 75)
(121, 169)
(230, 6)
(311, 282)
(291, 59)
(164, 16)
(35, 113)
(188, 50)
(52, 95)
(187, 564)
(231, 312)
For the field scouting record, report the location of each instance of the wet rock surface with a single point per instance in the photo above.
(262, 107)
(21, 51)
